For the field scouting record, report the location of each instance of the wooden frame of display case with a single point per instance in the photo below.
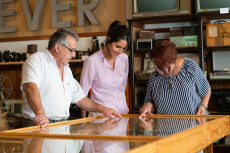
(190, 140)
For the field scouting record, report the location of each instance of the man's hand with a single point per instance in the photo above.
(41, 120)
(110, 124)
(146, 110)
(111, 113)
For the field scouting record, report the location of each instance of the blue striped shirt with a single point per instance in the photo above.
(169, 126)
(178, 94)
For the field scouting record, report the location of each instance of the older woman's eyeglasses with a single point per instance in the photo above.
(70, 50)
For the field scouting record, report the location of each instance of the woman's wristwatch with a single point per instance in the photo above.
(205, 106)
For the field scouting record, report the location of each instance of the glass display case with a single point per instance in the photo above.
(155, 133)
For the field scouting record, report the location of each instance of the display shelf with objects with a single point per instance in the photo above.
(20, 63)
(183, 30)
(176, 25)
(216, 45)
(204, 52)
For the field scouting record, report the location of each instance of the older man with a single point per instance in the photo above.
(48, 85)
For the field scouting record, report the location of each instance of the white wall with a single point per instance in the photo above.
(21, 46)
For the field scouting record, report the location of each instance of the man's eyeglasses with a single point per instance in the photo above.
(70, 50)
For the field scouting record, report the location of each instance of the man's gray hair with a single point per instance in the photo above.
(60, 37)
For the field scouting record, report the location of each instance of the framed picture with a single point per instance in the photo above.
(148, 65)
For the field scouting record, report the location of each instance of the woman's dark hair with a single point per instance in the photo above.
(118, 32)
(163, 54)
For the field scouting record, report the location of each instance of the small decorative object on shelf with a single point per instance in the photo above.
(84, 56)
(0, 56)
(148, 65)
(147, 34)
(145, 44)
(95, 44)
(6, 56)
(218, 34)
(141, 75)
(23, 56)
(32, 48)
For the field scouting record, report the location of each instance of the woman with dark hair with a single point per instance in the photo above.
(106, 71)
(178, 86)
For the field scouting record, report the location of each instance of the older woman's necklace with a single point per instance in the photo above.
(171, 79)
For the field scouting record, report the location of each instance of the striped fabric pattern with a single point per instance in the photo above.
(167, 126)
(178, 94)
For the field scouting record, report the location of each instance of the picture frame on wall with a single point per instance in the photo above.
(148, 65)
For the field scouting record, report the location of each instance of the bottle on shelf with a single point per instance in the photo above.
(95, 44)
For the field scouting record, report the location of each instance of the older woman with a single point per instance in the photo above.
(178, 85)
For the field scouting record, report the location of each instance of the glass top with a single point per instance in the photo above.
(34, 145)
(146, 128)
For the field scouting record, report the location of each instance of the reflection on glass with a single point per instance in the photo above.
(53, 145)
(99, 127)
(109, 146)
(167, 126)
(133, 126)
(29, 145)
(129, 126)
(105, 147)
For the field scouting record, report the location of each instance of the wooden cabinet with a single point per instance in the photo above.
(201, 52)
(158, 134)
(12, 70)
(220, 86)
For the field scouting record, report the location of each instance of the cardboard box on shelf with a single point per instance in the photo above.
(185, 41)
(146, 34)
(218, 34)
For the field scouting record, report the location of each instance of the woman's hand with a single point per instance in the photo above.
(201, 110)
(146, 123)
(146, 110)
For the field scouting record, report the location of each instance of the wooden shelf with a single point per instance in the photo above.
(20, 63)
(141, 81)
(222, 48)
(214, 15)
(221, 148)
(76, 61)
(139, 22)
(218, 113)
(179, 50)
(219, 80)
(188, 50)
(11, 63)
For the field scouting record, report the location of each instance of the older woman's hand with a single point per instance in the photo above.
(146, 123)
(201, 110)
(146, 109)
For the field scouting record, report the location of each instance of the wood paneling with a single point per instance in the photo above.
(48, 36)
(106, 12)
